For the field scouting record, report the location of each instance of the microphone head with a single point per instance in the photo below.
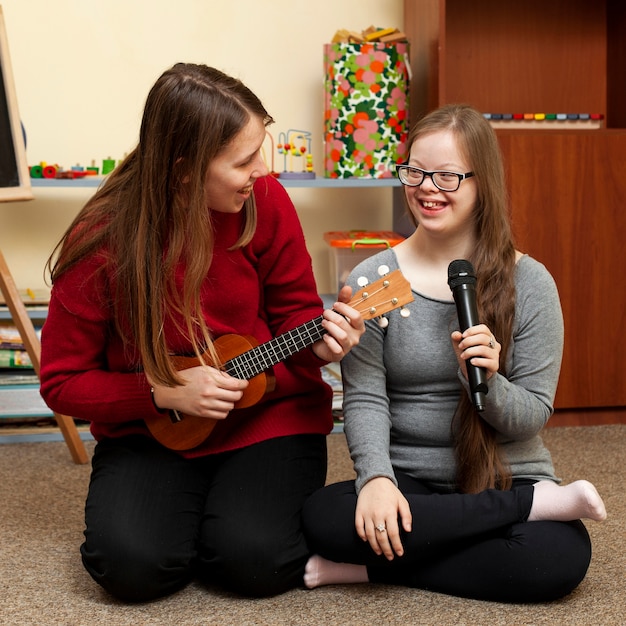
(461, 272)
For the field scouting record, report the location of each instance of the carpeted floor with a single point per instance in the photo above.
(42, 580)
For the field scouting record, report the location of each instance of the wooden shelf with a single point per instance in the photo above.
(525, 58)
(502, 57)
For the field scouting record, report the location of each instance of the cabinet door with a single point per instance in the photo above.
(568, 200)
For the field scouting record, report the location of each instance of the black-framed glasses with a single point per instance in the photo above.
(445, 181)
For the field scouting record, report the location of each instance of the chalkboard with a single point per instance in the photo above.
(14, 177)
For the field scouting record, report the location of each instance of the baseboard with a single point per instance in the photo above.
(588, 417)
(46, 429)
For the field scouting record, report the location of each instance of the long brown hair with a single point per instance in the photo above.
(143, 226)
(480, 462)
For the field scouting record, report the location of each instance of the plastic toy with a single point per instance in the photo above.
(295, 145)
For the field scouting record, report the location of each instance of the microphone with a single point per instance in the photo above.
(462, 282)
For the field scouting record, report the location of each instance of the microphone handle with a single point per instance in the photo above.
(478, 386)
(468, 316)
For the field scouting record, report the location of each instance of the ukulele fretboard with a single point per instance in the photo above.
(252, 362)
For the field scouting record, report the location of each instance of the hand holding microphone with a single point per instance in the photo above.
(462, 282)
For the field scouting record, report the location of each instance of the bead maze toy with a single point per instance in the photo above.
(295, 148)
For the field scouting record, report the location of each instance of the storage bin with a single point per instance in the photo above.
(366, 88)
(349, 248)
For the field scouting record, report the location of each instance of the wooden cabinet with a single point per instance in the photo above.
(567, 187)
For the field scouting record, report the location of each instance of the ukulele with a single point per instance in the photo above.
(244, 358)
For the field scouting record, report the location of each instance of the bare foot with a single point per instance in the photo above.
(320, 571)
(577, 500)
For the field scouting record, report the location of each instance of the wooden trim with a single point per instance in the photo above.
(588, 417)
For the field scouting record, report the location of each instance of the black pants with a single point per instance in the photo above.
(155, 520)
(476, 546)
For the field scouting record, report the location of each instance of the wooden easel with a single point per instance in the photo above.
(26, 329)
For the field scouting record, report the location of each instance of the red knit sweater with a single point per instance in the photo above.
(262, 290)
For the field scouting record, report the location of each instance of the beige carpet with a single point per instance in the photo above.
(42, 580)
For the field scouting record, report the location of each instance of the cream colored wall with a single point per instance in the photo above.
(83, 70)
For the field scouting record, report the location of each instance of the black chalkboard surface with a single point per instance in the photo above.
(14, 177)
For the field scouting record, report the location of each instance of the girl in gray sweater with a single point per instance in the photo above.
(447, 497)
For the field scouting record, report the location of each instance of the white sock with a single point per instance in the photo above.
(320, 571)
(577, 500)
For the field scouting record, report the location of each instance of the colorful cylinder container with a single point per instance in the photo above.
(366, 102)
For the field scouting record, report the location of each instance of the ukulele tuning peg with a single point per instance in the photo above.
(383, 270)
(383, 322)
(362, 281)
(404, 312)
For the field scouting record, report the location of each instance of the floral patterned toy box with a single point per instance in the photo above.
(366, 89)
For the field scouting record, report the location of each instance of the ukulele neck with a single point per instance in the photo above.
(252, 362)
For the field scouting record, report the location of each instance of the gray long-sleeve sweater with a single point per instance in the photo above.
(402, 384)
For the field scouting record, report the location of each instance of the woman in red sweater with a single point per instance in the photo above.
(189, 242)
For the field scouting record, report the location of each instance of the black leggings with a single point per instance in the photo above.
(477, 546)
(155, 520)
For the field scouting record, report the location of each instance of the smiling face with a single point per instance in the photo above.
(435, 210)
(232, 174)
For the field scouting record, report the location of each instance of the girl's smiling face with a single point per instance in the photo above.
(436, 210)
(232, 174)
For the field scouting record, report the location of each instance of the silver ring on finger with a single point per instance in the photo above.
(492, 342)
(381, 528)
